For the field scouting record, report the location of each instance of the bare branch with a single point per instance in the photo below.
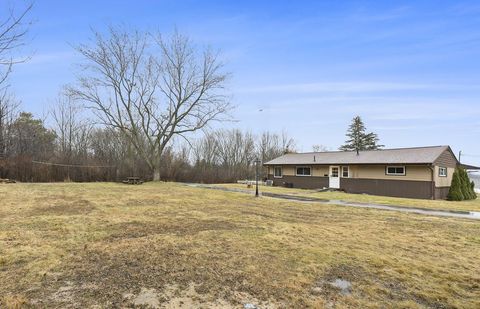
(13, 31)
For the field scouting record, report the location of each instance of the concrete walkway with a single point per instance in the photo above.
(475, 215)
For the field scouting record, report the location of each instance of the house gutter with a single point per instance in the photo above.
(432, 170)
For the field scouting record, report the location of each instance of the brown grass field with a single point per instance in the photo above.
(105, 245)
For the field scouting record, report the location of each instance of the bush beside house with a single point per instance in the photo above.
(461, 188)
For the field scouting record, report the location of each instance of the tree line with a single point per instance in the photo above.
(72, 148)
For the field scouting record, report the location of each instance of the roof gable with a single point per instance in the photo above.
(447, 158)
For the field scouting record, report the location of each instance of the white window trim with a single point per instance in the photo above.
(440, 168)
(296, 168)
(281, 172)
(348, 171)
(395, 174)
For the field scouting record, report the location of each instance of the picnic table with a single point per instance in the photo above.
(133, 181)
(7, 180)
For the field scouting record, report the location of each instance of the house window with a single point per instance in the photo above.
(277, 172)
(334, 171)
(303, 171)
(345, 173)
(442, 171)
(395, 170)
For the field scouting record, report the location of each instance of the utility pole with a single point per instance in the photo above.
(257, 163)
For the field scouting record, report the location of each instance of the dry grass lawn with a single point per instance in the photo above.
(108, 245)
(473, 205)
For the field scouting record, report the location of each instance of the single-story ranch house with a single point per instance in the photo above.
(420, 172)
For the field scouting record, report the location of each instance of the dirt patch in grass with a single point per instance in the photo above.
(172, 298)
(350, 272)
(326, 287)
(348, 279)
(120, 273)
(136, 229)
(63, 208)
(342, 282)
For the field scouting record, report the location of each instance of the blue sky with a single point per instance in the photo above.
(410, 69)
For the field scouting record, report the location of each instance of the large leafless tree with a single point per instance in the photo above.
(14, 25)
(152, 89)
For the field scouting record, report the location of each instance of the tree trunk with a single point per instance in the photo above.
(156, 173)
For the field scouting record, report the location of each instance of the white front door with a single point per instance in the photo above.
(334, 177)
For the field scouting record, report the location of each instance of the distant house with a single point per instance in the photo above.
(420, 172)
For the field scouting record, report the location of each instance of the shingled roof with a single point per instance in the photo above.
(414, 155)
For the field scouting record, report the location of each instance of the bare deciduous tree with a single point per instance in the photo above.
(319, 148)
(13, 31)
(151, 93)
(8, 113)
(272, 145)
(72, 131)
(236, 152)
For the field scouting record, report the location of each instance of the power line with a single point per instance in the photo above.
(72, 165)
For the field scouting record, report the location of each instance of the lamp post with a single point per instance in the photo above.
(257, 163)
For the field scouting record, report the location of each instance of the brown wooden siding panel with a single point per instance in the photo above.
(303, 182)
(441, 193)
(446, 159)
(394, 188)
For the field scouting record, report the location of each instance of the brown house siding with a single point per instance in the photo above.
(446, 159)
(303, 182)
(395, 188)
(441, 193)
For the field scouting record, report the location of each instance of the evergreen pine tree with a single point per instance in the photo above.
(466, 185)
(463, 187)
(358, 139)
(468, 192)
(455, 193)
(472, 185)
